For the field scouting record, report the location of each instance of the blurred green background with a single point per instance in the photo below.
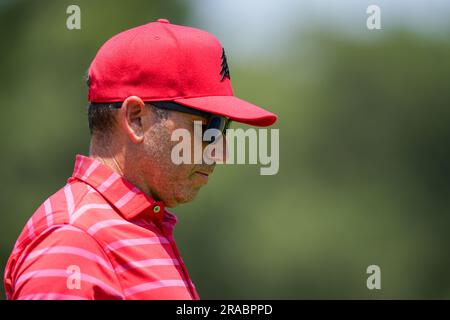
(364, 124)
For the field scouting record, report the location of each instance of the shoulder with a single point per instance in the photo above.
(62, 220)
(55, 257)
(64, 207)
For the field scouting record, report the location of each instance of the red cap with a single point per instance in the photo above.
(160, 61)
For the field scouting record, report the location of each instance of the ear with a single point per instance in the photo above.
(130, 116)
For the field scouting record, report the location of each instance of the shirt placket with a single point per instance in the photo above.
(168, 233)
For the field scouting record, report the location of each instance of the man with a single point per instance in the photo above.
(107, 234)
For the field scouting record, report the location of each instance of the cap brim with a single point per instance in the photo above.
(231, 107)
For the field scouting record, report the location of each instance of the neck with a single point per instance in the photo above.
(110, 162)
(115, 161)
(105, 155)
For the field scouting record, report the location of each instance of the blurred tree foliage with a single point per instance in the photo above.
(364, 155)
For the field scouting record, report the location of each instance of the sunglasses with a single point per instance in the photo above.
(214, 121)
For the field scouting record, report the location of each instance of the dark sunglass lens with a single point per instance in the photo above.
(214, 123)
(217, 122)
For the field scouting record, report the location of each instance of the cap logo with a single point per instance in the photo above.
(225, 72)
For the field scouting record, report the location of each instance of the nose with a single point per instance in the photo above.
(219, 154)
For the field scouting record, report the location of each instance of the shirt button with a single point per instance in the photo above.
(156, 209)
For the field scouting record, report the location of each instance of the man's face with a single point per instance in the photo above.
(169, 182)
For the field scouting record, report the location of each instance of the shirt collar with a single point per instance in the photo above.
(125, 197)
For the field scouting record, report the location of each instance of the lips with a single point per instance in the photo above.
(202, 176)
(203, 173)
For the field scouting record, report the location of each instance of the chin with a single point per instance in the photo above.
(183, 198)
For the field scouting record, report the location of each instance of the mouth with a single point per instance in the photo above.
(203, 176)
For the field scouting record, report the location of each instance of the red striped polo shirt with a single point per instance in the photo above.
(99, 237)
